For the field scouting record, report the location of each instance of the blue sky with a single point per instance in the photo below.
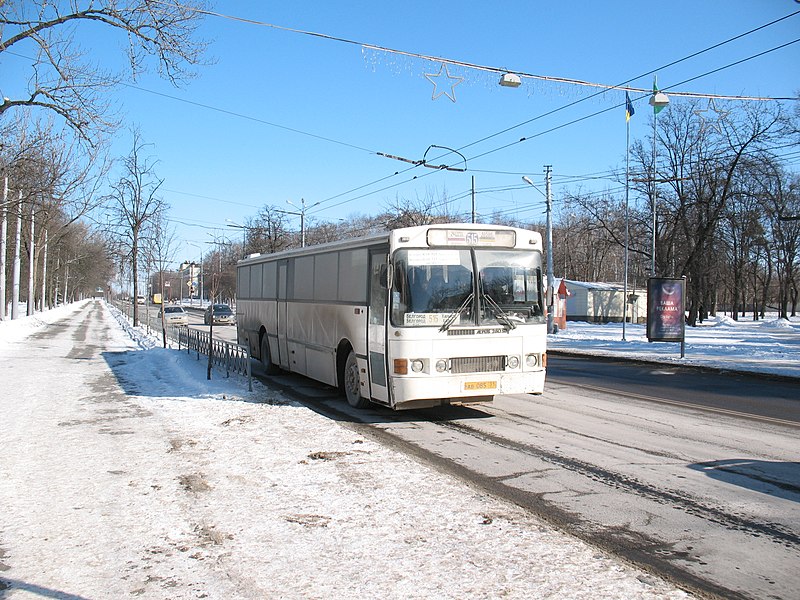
(289, 116)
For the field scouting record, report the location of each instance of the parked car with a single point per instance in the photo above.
(175, 315)
(139, 299)
(223, 315)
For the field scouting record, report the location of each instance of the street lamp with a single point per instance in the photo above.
(511, 80)
(549, 234)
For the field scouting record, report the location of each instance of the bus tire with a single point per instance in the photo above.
(352, 383)
(270, 368)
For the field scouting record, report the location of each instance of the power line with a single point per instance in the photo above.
(605, 88)
(574, 121)
(250, 118)
(478, 67)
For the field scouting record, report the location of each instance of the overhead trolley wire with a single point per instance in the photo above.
(616, 106)
(622, 86)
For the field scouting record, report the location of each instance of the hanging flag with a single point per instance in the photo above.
(657, 108)
(628, 108)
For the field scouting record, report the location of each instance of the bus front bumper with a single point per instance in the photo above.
(455, 388)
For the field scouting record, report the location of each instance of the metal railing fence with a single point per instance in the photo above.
(227, 356)
(233, 358)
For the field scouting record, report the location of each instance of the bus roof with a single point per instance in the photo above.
(384, 237)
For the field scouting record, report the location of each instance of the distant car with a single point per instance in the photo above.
(175, 315)
(139, 299)
(223, 315)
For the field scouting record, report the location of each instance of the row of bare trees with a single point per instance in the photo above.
(55, 122)
(723, 206)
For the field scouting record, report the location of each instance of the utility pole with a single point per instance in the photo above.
(302, 215)
(548, 171)
(550, 291)
(473, 198)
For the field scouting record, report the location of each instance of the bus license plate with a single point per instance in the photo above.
(480, 385)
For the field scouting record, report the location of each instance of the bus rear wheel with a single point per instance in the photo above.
(352, 383)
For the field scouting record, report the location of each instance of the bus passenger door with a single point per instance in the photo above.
(376, 325)
(283, 349)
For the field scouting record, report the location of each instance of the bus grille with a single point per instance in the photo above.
(476, 331)
(477, 364)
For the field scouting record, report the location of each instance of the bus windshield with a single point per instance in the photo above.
(439, 287)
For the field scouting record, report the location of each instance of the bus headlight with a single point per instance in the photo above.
(512, 362)
(532, 360)
(441, 365)
(417, 365)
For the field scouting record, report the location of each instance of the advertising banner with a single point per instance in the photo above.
(665, 309)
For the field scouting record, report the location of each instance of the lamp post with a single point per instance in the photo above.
(201, 269)
(302, 214)
(549, 235)
(225, 242)
(244, 229)
(658, 101)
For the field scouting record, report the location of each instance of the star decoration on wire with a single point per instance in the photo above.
(455, 81)
(720, 116)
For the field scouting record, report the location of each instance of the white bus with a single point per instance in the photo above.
(410, 318)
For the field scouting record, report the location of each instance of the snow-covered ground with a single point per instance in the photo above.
(770, 346)
(125, 472)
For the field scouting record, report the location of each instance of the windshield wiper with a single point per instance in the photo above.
(453, 316)
(500, 314)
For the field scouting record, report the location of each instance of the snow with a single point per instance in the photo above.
(126, 473)
(770, 346)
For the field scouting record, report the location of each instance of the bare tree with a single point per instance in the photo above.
(65, 79)
(159, 251)
(268, 232)
(703, 170)
(404, 212)
(781, 195)
(133, 204)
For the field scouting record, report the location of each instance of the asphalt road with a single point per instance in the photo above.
(765, 396)
(693, 475)
(690, 473)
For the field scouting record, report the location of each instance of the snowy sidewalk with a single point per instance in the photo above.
(125, 473)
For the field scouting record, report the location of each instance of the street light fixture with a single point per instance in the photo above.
(659, 100)
(511, 80)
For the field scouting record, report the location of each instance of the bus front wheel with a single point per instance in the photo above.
(352, 383)
(266, 358)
